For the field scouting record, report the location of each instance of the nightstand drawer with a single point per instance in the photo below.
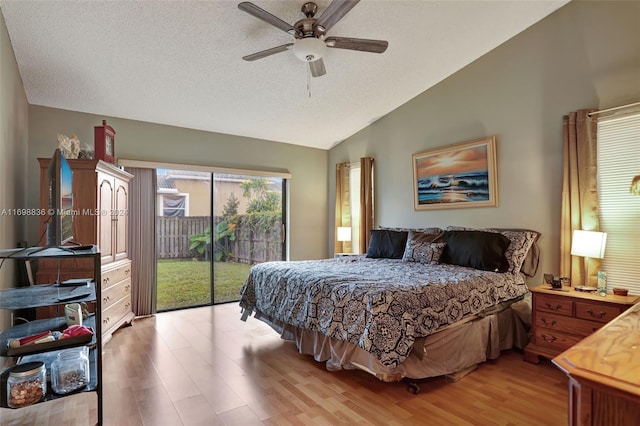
(597, 312)
(555, 339)
(558, 305)
(576, 326)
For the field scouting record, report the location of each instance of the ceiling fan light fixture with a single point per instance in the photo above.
(309, 49)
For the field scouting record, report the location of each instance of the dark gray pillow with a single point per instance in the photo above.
(476, 249)
(387, 244)
(523, 253)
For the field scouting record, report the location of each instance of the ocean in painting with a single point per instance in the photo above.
(451, 188)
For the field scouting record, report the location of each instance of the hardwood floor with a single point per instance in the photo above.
(204, 366)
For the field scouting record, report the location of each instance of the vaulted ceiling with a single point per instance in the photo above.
(180, 62)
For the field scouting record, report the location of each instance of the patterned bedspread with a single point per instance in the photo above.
(381, 305)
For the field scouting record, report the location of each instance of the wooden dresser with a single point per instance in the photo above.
(100, 203)
(604, 374)
(562, 318)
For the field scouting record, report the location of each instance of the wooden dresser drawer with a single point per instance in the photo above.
(116, 292)
(554, 339)
(559, 305)
(597, 312)
(112, 276)
(570, 325)
(112, 315)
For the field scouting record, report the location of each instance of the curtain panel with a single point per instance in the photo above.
(142, 238)
(343, 205)
(579, 194)
(366, 202)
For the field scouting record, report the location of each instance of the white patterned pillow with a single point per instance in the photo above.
(521, 243)
(423, 248)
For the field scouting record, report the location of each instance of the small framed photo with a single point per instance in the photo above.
(456, 176)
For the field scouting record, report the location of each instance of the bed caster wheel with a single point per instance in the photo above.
(413, 388)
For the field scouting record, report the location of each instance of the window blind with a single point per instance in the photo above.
(619, 210)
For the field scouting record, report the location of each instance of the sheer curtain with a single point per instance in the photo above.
(579, 194)
(366, 202)
(142, 241)
(343, 205)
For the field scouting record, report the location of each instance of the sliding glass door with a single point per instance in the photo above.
(183, 206)
(211, 228)
(249, 229)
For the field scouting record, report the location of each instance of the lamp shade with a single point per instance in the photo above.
(588, 244)
(344, 233)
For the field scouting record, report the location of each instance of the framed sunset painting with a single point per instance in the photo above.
(456, 176)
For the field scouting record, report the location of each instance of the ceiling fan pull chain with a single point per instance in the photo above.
(309, 81)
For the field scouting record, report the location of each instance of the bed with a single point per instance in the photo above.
(420, 303)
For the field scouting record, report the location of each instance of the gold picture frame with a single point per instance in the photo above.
(456, 176)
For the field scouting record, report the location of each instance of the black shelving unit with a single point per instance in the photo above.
(47, 295)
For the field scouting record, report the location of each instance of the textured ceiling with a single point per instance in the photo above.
(179, 62)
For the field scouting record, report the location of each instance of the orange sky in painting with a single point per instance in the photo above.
(464, 160)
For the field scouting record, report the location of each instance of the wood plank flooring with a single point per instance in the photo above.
(204, 366)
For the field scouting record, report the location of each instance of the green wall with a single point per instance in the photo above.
(13, 157)
(586, 54)
(136, 140)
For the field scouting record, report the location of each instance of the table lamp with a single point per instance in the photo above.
(588, 244)
(344, 233)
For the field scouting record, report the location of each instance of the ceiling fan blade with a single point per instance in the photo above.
(317, 68)
(361, 44)
(334, 12)
(259, 13)
(268, 52)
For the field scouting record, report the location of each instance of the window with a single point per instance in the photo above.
(619, 209)
(174, 205)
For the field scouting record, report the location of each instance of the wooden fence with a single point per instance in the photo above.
(172, 240)
(257, 246)
(172, 235)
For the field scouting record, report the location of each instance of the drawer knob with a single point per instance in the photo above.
(548, 323)
(555, 308)
(598, 315)
(550, 339)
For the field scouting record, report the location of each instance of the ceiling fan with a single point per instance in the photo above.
(310, 42)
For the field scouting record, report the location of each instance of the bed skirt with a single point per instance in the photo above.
(448, 351)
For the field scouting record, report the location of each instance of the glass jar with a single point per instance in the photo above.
(26, 384)
(70, 370)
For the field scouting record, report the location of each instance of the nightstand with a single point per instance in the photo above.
(339, 255)
(561, 318)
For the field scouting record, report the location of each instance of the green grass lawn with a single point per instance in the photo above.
(183, 283)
